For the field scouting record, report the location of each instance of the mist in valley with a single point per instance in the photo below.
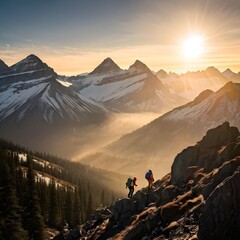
(92, 138)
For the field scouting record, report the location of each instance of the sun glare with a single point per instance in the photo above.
(193, 47)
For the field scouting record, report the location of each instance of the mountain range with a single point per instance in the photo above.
(137, 89)
(36, 102)
(191, 84)
(30, 89)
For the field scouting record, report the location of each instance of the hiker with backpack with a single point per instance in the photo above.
(130, 185)
(149, 177)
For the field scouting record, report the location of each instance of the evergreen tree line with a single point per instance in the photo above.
(28, 206)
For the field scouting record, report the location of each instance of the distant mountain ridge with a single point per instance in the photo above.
(155, 144)
(190, 84)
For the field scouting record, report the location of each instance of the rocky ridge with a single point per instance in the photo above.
(185, 204)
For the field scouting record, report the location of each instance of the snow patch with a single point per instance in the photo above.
(114, 90)
(64, 83)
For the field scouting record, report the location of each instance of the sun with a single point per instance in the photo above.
(193, 47)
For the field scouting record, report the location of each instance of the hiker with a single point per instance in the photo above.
(149, 177)
(130, 184)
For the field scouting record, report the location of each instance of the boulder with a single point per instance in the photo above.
(141, 199)
(123, 208)
(188, 157)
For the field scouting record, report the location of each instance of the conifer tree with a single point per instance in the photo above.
(54, 216)
(68, 208)
(10, 218)
(76, 208)
(33, 220)
(90, 205)
(43, 196)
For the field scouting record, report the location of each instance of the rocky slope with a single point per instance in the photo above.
(199, 199)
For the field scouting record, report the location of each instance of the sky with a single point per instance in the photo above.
(74, 36)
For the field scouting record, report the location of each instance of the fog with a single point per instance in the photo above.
(92, 138)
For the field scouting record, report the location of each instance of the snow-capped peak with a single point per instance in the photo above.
(107, 66)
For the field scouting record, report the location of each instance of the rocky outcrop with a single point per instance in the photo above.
(200, 199)
(203, 154)
(123, 209)
(220, 218)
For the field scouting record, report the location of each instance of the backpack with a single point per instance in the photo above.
(128, 183)
(147, 175)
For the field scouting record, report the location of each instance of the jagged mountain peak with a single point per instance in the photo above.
(228, 73)
(140, 66)
(228, 70)
(30, 63)
(107, 66)
(162, 73)
(30, 59)
(212, 71)
(33, 57)
(3, 66)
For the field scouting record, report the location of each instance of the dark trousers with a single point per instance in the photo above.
(131, 190)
